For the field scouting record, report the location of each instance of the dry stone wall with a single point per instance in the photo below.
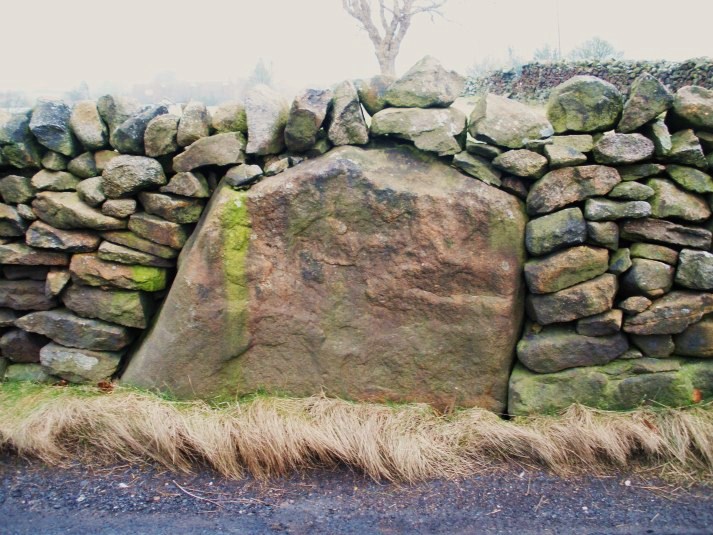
(100, 198)
(534, 81)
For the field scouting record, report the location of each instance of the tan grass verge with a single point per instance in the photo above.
(269, 436)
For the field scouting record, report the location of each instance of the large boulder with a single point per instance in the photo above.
(584, 104)
(426, 85)
(694, 106)
(648, 99)
(507, 123)
(125, 175)
(378, 274)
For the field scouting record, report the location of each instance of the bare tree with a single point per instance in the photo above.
(388, 31)
(596, 48)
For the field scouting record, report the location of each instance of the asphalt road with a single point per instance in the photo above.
(121, 499)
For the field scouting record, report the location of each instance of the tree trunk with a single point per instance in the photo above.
(387, 63)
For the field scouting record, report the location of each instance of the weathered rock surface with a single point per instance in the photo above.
(129, 239)
(434, 130)
(230, 117)
(65, 210)
(635, 304)
(666, 232)
(79, 365)
(648, 98)
(120, 208)
(111, 252)
(17, 345)
(32, 372)
(584, 104)
(11, 224)
(477, 167)
(671, 314)
(128, 137)
(347, 125)
(83, 166)
(622, 149)
(554, 231)
(647, 277)
(56, 281)
(522, 162)
(114, 110)
(618, 385)
(187, 185)
(671, 201)
(603, 324)
(125, 175)
(17, 189)
(565, 186)
(50, 126)
(129, 308)
(604, 233)
(66, 328)
(330, 233)
(267, 114)
(220, 149)
(695, 270)
(91, 191)
(54, 161)
(690, 178)
(631, 191)
(160, 136)
(558, 347)
(194, 124)
(172, 207)
(601, 209)
(507, 123)
(308, 111)
(372, 92)
(45, 236)
(584, 299)
(87, 125)
(158, 230)
(657, 346)
(91, 270)
(564, 156)
(54, 181)
(565, 268)
(242, 174)
(21, 254)
(654, 252)
(425, 85)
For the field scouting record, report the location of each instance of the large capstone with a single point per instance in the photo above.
(378, 274)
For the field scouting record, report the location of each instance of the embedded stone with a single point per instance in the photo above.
(631, 191)
(50, 126)
(129, 239)
(126, 175)
(56, 281)
(604, 233)
(667, 233)
(188, 185)
(267, 114)
(194, 124)
(115, 110)
(477, 167)
(45, 236)
(308, 111)
(515, 186)
(21, 254)
(694, 105)
(696, 340)
(671, 201)
(158, 230)
(91, 270)
(7, 318)
(522, 162)
(671, 314)
(639, 171)
(25, 212)
(336, 253)
(555, 231)
(372, 92)
(655, 346)
(654, 252)
(583, 299)
(347, 125)
(11, 224)
(647, 277)
(128, 137)
(112, 252)
(119, 208)
(32, 372)
(580, 142)
(66, 328)
(481, 148)
(434, 130)
(220, 149)
(635, 304)
(604, 324)
(91, 191)
(160, 136)
(602, 209)
(621, 149)
(229, 117)
(65, 210)
(87, 125)
(46, 180)
(648, 98)
(128, 308)
(79, 365)
(690, 178)
(507, 123)
(20, 346)
(687, 150)
(277, 166)
(584, 104)
(564, 156)
(172, 207)
(17, 189)
(242, 174)
(83, 166)
(54, 161)
(659, 134)
(102, 159)
(17, 272)
(557, 348)
(25, 295)
(565, 268)
(425, 85)
(695, 269)
(565, 186)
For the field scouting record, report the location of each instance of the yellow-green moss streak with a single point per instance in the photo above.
(148, 279)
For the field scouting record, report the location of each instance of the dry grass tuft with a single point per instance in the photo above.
(268, 436)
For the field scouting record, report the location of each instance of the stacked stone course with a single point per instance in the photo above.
(99, 200)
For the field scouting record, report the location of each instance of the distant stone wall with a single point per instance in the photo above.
(536, 80)
(99, 199)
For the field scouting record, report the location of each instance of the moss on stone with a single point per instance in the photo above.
(148, 279)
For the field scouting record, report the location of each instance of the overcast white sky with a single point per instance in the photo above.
(59, 43)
